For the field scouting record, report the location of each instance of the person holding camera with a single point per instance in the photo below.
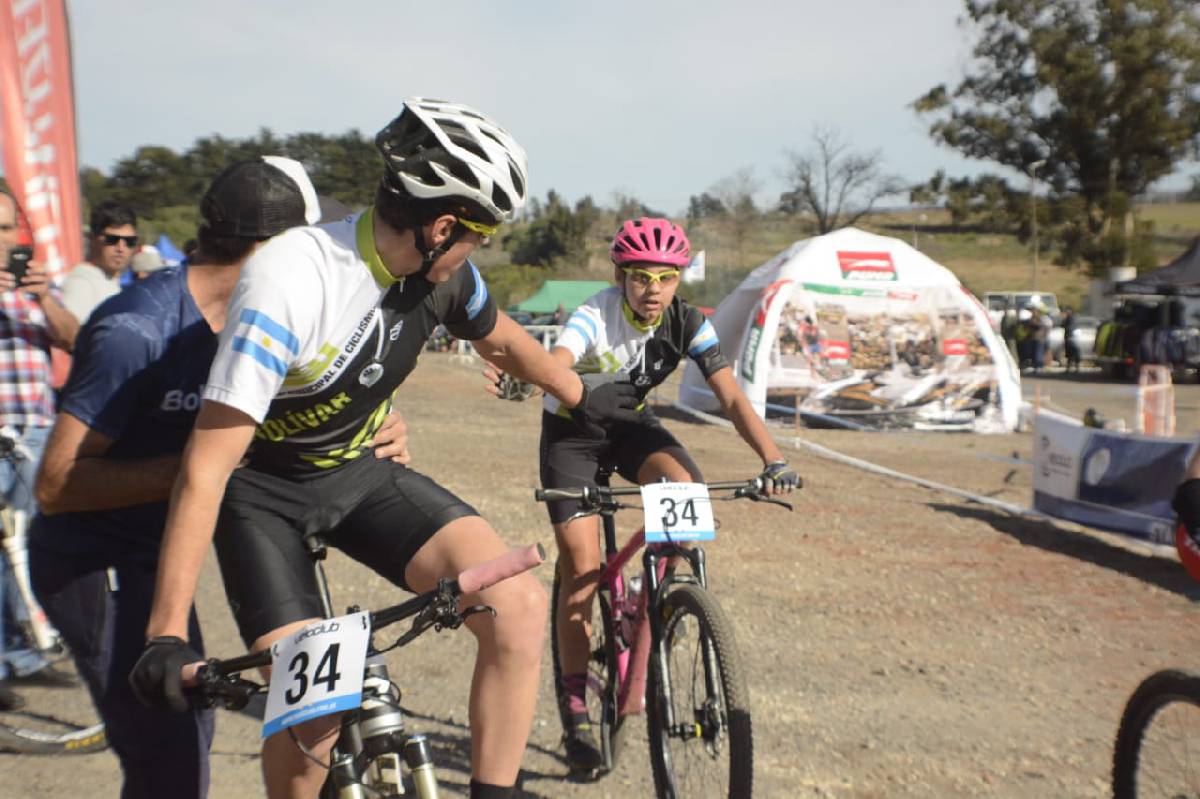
(31, 319)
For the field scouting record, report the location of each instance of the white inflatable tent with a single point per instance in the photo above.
(869, 330)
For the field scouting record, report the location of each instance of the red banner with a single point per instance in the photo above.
(866, 265)
(37, 126)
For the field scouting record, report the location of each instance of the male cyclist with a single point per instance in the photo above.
(125, 414)
(325, 323)
(642, 330)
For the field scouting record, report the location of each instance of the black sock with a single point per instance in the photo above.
(484, 790)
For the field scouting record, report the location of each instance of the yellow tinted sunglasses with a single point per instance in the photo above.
(643, 277)
(487, 231)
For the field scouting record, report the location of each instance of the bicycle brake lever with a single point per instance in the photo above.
(757, 497)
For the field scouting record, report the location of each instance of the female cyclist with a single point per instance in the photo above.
(640, 331)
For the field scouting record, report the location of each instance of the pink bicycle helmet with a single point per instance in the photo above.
(653, 241)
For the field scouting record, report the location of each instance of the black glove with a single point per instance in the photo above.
(779, 476)
(155, 678)
(605, 399)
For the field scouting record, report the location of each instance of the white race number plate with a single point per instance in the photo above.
(678, 512)
(316, 671)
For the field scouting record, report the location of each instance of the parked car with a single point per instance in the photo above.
(1163, 330)
(1023, 302)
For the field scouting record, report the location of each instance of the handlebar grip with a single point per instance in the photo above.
(488, 574)
(551, 494)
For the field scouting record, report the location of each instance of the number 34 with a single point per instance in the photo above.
(671, 514)
(326, 673)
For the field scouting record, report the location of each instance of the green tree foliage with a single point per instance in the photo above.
(1095, 97)
(557, 235)
(703, 206)
(986, 203)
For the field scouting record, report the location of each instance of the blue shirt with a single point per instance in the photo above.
(140, 364)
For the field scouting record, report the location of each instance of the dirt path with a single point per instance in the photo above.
(899, 642)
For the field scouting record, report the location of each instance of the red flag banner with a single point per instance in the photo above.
(37, 126)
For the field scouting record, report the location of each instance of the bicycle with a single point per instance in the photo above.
(372, 740)
(1157, 750)
(73, 727)
(662, 636)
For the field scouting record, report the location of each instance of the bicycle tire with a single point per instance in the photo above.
(602, 674)
(51, 723)
(1160, 700)
(725, 740)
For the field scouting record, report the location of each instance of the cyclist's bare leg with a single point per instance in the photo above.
(287, 772)
(507, 664)
(672, 463)
(578, 572)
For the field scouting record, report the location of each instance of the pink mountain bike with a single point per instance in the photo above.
(662, 636)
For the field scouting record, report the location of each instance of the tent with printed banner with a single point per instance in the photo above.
(861, 330)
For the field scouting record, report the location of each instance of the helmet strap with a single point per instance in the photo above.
(431, 254)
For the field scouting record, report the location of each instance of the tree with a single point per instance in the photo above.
(836, 185)
(1095, 97)
(739, 215)
(556, 235)
(703, 206)
(1193, 193)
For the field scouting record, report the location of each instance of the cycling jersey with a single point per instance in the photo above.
(605, 336)
(319, 335)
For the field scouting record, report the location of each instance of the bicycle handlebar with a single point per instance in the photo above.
(596, 493)
(217, 680)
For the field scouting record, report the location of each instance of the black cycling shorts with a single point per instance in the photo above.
(376, 511)
(572, 459)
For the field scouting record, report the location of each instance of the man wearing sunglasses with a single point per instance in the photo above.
(325, 324)
(113, 241)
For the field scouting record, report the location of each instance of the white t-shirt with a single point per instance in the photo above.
(85, 287)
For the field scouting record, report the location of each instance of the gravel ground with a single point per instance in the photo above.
(898, 641)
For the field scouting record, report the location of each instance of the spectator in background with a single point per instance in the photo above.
(1041, 323)
(146, 261)
(1009, 323)
(1070, 346)
(31, 319)
(112, 244)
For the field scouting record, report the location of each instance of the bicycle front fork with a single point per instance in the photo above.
(16, 549)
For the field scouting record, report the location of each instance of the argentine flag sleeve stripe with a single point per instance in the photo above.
(704, 340)
(254, 325)
(264, 357)
(475, 304)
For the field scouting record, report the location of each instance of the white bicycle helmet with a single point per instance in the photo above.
(437, 150)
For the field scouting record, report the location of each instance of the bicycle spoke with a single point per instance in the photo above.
(697, 743)
(1168, 765)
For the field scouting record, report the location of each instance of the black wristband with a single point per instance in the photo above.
(165, 639)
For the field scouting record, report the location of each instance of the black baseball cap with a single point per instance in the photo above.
(260, 198)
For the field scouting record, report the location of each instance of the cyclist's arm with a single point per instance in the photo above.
(512, 349)
(737, 407)
(217, 444)
(75, 475)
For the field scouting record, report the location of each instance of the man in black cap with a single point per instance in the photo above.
(134, 391)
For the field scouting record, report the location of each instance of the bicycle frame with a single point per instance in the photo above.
(633, 662)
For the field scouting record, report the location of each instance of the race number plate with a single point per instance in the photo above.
(316, 671)
(678, 512)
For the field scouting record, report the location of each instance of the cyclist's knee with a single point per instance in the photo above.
(521, 605)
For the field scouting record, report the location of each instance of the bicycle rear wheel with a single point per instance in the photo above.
(602, 673)
(709, 750)
(1157, 751)
(53, 721)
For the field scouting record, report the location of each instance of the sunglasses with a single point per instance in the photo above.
(111, 240)
(487, 231)
(644, 278)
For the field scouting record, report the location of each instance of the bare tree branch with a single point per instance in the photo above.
(837, 186)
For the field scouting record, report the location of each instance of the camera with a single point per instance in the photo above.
(18, 261)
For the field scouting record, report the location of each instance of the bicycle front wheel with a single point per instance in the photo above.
(1158, 742)
(698, 711)
(53, 720)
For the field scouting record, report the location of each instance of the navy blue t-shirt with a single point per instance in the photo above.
(140, 364)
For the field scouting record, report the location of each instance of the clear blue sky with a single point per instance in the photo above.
(656, 99)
